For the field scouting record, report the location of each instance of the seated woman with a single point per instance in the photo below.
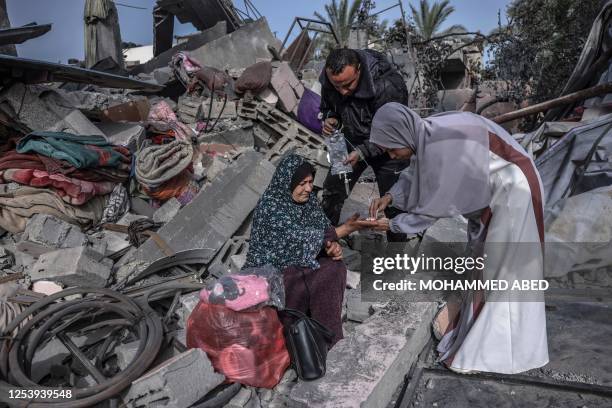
(291, 232)
(466, 164)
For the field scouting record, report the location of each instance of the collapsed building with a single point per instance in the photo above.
(122, 196)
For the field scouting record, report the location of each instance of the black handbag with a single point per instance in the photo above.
(307, 341)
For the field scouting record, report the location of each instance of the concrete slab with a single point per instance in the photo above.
(167, 211)
(239, 49)
(45, 233)
(179, 382)
(80, 266)
(365, 368)
(214, 215)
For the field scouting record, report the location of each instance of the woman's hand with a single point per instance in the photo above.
(380, 204)
(334, 250)
(353, 224)
(382, 224)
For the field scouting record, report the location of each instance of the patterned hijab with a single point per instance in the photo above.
(286, 233)
(450, 163)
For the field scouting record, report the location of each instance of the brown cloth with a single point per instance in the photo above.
(255, 78)
(317, 292)
(17, 206)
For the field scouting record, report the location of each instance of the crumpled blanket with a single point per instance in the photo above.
(14, 160)
(182, 187)
(78, 150)
(17, 206)
(162, 118)
(72, 190)
(159, 163)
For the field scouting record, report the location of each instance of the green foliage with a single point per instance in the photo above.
(341, 16)
(537, 50)
(429, 18)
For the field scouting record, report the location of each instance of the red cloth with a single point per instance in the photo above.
(14, 160)
(73, 191)
(246, 347)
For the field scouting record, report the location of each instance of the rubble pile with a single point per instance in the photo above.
(122, 196)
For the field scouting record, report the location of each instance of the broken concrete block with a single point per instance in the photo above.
(167, 211)
(188, 107)
(223, 262)
(240, 134)
(130, 135)
(45, 233)
(286, 85)
(179, 382)
(220, 109)
(239, 49)
(43, 108)
(216, 213)
(366, 368)
(356, 310)
(79, 266)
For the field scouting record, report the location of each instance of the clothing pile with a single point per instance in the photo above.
(164, 169)
(61, 174)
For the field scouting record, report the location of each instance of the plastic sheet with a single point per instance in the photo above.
(246, 347)
(251, 287)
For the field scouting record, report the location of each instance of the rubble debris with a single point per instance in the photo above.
(102, 33)
(216, 212)
(179, 382)
(239, 49)
(45, 233)
(100, 320)
(286, 85)
(41, 108)
(34, 72)
(19, 35)
(80, 266)
(162, 59)
(129, 135)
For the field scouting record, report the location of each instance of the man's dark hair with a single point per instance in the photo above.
(340, 58)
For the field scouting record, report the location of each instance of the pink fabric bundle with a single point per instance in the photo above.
(72, 190)
(237, 292)
(163, 117)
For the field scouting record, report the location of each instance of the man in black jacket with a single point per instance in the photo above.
(355, 84)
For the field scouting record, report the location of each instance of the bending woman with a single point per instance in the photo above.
(291, 232)
(465, 164)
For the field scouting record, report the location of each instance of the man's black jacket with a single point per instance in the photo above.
(379, 83)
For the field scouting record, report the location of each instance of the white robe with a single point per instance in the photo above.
(506, 337)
